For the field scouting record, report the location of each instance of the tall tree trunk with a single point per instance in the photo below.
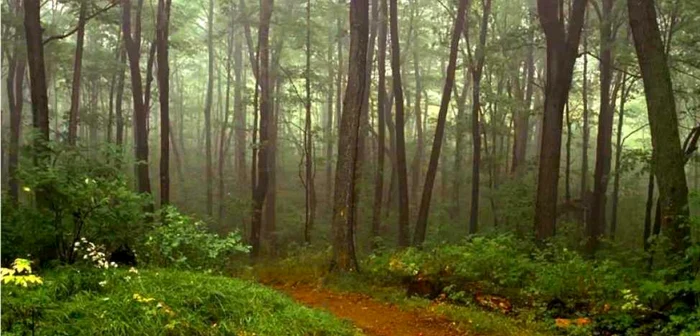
(328, 127)
(344, 200)
(77, 67)
(669, 158)
(422, 222)
(381, 114)
(37, 77)
(417, 164)
(586, 125)
(522, 120)
(164, 98)
(239, 112)
(476, 108)
(224, 124)
(207, 110)
(618, 156)
(15, 101)
(460, 130)
(118, 110)
(562, 49)
(596, 227)
(310, 190)
(133, 50)
(404, 236)
(261, 186)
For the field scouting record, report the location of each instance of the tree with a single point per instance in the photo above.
(381, 113)
(422, 222)
(16, 63)
(260, 190)
(310, 190)
(163, 22)
(133, 50)
(522, 120)
(668, 157)
(596, 226)
(476, 70)
(344, 198)
(404, 237)
(77, 67)
(562, 49)
(207, 109)
(37, 76)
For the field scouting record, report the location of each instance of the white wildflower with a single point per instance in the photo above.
(133, 270)
(77, 244)
(103, 283)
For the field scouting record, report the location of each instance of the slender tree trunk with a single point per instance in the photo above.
(596, 227)
(586, 125)
(344, 200)
(164, 98)
(460, 129)
(224, 124)
(562, 49)
(381, 127)
(37, 77)
(208, 108)
(77, 67)
(522, 120)
(404, 236)
(15, 101)
(261, 186)
(417, 164)
(118, 110)
(476, 108)
(239, 111)
(668, 155)
(310, 190)
(422, 222)
(328, 128)
(132, 45)
(618, 157)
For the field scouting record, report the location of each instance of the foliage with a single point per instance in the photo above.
(615, 290)
(20, 274)
(77, 195)
(157, 302)
(183, 242)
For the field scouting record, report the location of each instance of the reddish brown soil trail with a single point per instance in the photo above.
(373, 317)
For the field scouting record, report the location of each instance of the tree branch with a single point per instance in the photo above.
(72, 31)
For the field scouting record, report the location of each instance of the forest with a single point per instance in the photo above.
(350, 167)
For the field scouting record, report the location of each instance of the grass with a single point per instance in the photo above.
(311, 268)
(156, 302)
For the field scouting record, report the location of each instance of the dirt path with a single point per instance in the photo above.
(373, 317)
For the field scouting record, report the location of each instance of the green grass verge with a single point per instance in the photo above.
(156, 302)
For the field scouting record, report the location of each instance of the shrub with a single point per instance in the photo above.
(81, 196)
(183, 242)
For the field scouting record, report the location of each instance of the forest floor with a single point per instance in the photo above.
(373, 317)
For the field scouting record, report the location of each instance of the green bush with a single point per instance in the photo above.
(79, 195)
(89, 301)
(182, 242)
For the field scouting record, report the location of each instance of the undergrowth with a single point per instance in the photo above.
(90, 301)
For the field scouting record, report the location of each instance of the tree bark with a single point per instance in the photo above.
(344, 200)
(618, 156)
(37, 77)
(239, 112)
(596, 227)
(422, 222)
(404, 236)
(164, 98)
(207, 110)
(586, 125)
(669, 159)
(310, 190)
(133, 50)
(77, 67)
(261, 186)
(522, 120)
(224, 124)
(562, 49)
(381, 124)
(15, 101)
